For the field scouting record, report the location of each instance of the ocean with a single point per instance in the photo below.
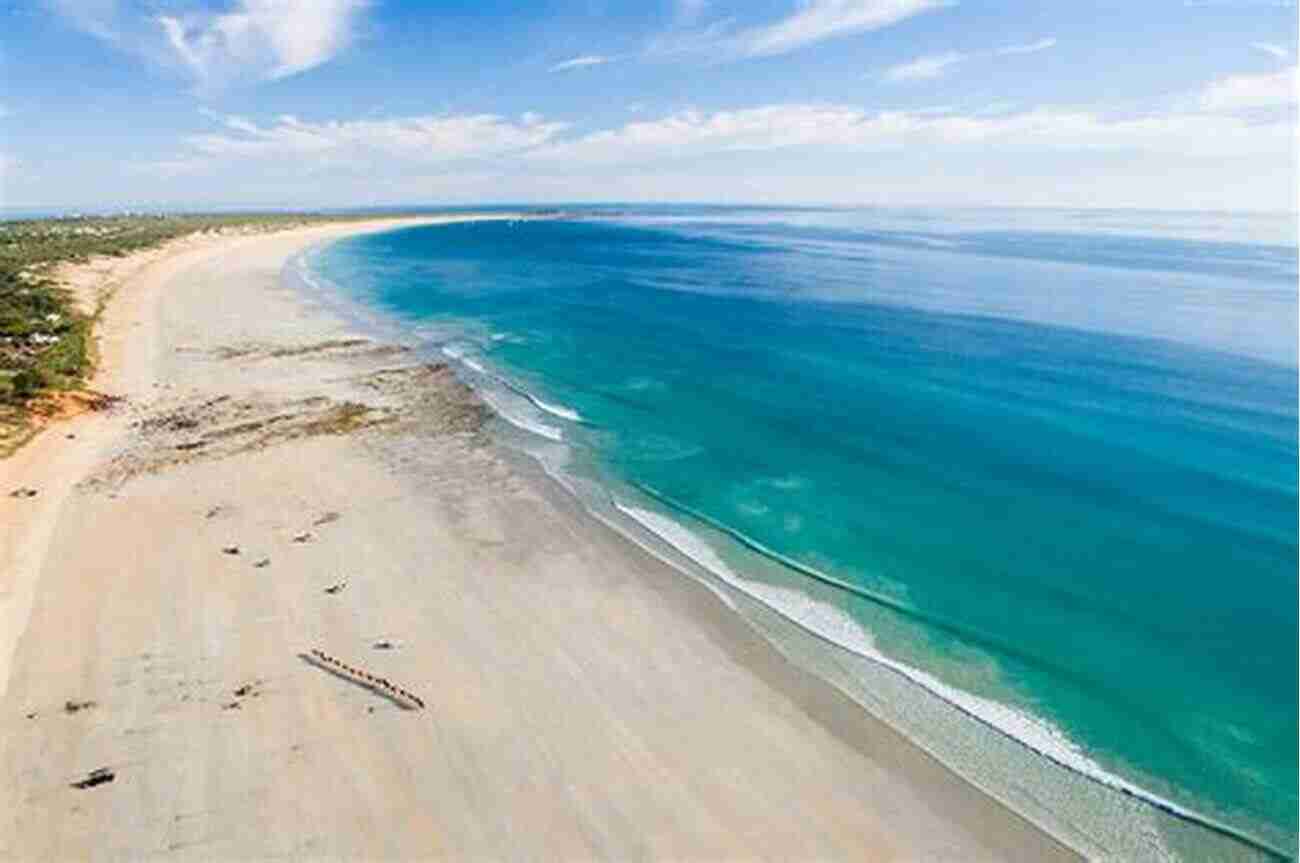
(1032, 472)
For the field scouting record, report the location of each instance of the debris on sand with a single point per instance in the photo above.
(230, 549)
(23, 492)
(384, 645)
(95, 777)
(326, 518)
(335, 588)
(244, 690)
(263, 562)
(404, 699)
(305, 536)
(71, 706)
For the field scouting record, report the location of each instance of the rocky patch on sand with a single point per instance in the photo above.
(341, 348)
(424, 399)
(224, 426)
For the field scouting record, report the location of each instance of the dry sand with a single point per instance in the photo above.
(582, 700)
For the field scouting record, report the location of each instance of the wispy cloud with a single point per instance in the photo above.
(420, 139)
(936, 65)
(924, 68)
(690, 153)
(1248, 92)
(254, 40)
(804, 127)
(818, 20)
(1028, 48)
(813, 21)
(1210, 122)
(1270, 48)
(582, 62)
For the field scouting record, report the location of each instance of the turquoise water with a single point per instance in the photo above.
(1045, 459)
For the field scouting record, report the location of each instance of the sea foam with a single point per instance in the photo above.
(556, 410)
(458, 353)
(819, 617)
(519, 420)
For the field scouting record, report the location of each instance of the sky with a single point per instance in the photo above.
(341, 103)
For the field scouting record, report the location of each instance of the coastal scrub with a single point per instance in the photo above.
(46, 338)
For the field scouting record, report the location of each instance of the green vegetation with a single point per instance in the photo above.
(45, 340)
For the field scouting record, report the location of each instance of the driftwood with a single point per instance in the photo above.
(95, 777)
(401, 697)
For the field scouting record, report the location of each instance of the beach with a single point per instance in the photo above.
(268, 482)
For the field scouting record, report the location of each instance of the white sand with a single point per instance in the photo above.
(582, 700)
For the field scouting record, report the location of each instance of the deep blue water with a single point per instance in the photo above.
(1053, 460)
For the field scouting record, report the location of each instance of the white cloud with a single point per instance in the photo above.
(264, 39)
(813, 21)
(582, 62)
(419, 140)
(936, 65)
(825, 19)
(692, 134)
(417, 143)
(1245, 92)
(253, 40)
(1270, 48)
(777, 152)
(924, 68)
(1029, 48)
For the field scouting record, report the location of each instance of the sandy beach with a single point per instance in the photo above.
(270, 482)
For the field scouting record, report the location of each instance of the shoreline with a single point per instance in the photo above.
(1107, 812)
(556, 659)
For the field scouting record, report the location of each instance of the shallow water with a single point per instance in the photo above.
(1044, 463)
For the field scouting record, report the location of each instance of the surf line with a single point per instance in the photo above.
(1113, 783)
(560, 411)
